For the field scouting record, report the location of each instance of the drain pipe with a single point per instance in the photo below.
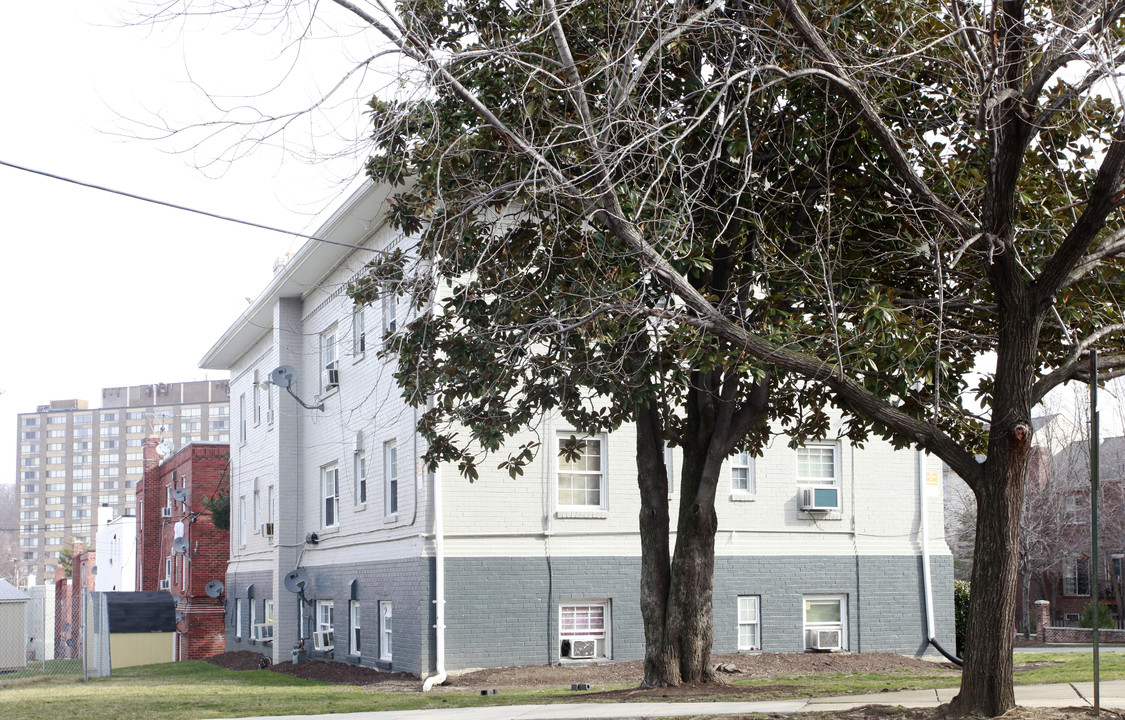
(439, 586)
(927, 584)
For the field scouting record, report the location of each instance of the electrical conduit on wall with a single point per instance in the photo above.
(439, 586)
(927, 585)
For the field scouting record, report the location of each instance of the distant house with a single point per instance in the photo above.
(179, 549)
(342, 539)
(13, 619)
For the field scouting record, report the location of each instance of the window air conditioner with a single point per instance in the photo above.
(166, 512)
(164, 584)
(262, 632)
(826, 639)
(267, 529)
(583, 648)
(333, 374)
(819, 499)
(322, 640)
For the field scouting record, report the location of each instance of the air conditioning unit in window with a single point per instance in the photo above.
(164, 584)
(826, 639)
(166, 512)
(333, 374)
(262, 632)
(583, 648)
(323, 640)
(267, 529)
(819, 499)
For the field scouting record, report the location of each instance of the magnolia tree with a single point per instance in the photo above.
(849, 201)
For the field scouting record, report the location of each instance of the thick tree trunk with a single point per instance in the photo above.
(986, 679)
(661, 664)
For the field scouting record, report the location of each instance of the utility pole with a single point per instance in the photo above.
(1094, 473)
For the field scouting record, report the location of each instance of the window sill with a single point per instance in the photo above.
(743, 497)
(328, 531)
(359, 506)
(359, 356)
(821, 515)
(591, 514)
(383, 663)
(390, 519)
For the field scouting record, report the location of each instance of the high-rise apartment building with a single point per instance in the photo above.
(72, 459)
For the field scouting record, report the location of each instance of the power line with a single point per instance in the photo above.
(185, 208)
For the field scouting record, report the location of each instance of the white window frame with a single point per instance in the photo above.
(577, 622)
(257, 401)
(242, 420)
(253, 615)
(354, 622)
(749, 609)
(360, 478)
(390, 478)
(257, 510)
(325, 616)
(242, 521)
(238, 617)
(565, 474)
(359, 330)
(390, 311)
(841, 625)
(386, 627)
(329, 360)
(330, 496)
(267, 611)
(742, 481)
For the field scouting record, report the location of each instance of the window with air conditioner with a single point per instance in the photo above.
(749, 622)
(818, 477)
(584, 629)
(825, 622)
(329, 367)
(324, 635)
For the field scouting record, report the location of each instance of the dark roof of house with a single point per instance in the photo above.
(1038, 423)
(1074, 460)
(138, 612)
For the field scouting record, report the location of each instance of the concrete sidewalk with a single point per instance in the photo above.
(1058, 695)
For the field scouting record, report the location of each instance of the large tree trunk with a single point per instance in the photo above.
(661, 667)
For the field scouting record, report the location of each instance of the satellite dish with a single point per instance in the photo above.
(297, 580)
(180, 494)
(213, 589)
(164, 448)
(284, 376)
(94, 570)
(179, 545)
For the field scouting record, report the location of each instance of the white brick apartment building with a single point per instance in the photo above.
(531, 574)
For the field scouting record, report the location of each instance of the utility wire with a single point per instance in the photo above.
(185, 208)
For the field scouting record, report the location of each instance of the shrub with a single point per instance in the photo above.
(1105, 617)
(961, 612)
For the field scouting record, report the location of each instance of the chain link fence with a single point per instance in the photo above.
(44, 633)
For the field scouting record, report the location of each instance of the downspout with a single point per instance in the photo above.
(439, 587)
(927, 585)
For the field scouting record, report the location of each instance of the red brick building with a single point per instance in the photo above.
(178, 547)
(69, 592)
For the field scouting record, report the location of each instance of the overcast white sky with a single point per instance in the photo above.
(98, 290)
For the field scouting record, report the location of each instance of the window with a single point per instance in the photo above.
(134, 428)
(257, 401)
(80, 514)
(238, 617)
(83, 433)
(359, 330)
(354, 619)
(584, 629)
(257, 509)
(1076, 577)
(390, 311)
(57, 420)
(390, 477)
(84, 419)
(84, 474)
(29, 475)
(29, 489)
(817, 477)
(135, 415)
(108, 417)
(108, 485)
(242, 521)
(324, 612)
(34, 434)
(109, 458)
(56, 447)
(50, 434)
(330, 491)
(111, 431)
(581, 472)
(55, 500)
(29, 515)
(54, 514)
(826, 622)
(222, 411)
(34, 461)
(56, 487)
(109, 472)
(360, 478)
(110, 444)
(329, 369)
(242, 418)
(60, 460)
(267, 611)
(749, 631)
(31, 422)
(385, 630)
(218, 425)
(29, 448)
(742, 473)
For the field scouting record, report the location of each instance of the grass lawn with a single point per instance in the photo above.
(187, 690)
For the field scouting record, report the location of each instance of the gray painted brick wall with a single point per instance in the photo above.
(504, 611)
(236, 587)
